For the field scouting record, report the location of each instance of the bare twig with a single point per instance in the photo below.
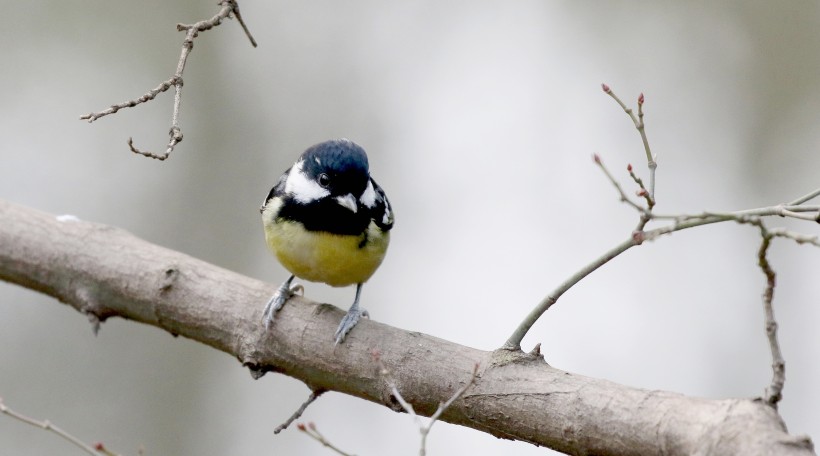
(779, 210)
(652, 164)
(774, 392)
(807, 197)
(148, 96)
(514, 341)
(311, 430)
(624, 198)
(105, 451)
(242, 23)
(680, 222)
(650, 202)
(228, 7)
(753, 217)
(646, 212)
(424, 430)
(796, 237)
(46, 425)
(298, 413)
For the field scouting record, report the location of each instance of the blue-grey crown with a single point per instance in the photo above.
(343, 160)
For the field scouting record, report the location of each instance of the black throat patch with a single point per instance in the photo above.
(326, 215)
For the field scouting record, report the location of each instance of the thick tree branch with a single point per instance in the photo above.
(106, 272)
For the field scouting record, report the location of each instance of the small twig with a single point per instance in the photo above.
(774, 392)
(646, 213)
(807, 197)
(311, 430)
(242, 23)
(679, 223)
(652, 164)
(810, 217)
(779, 210)
(46, 425)
(783, 211)
(298, 413)
(796, 237)
(643, 192)
(514, 341)
(228, 7)
(597, 159)
(148, 96)
(442, 407)
(424, 430)
(102, 449)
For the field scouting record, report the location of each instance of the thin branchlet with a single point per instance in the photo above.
(678, 222)
(651, 161)
(424, 429)
(95, 450)
(774, 392)
(298, 413)
(313, 432)
(228, 8)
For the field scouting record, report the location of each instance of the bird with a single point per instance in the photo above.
(327, 220)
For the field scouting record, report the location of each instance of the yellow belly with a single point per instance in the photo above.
(337, 260)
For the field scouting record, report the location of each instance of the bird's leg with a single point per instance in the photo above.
(352, 317)
(282, 294)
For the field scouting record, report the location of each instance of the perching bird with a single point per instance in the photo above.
(327, 220)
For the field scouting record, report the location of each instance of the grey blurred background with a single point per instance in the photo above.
(480, 118)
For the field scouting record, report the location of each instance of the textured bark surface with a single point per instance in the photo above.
(106, 272)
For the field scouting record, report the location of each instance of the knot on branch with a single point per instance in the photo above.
(169, 278)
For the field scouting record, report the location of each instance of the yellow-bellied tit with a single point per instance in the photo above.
(327, 220)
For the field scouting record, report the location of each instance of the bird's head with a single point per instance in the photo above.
(335, 170)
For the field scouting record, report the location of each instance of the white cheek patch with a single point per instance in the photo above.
(368, 198)
(302, 188)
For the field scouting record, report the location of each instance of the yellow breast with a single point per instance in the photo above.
(337, 260)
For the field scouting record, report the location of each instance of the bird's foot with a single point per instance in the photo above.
(348, 322)
(279, 298)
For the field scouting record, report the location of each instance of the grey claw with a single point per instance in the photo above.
(348, 322)
(279, 298)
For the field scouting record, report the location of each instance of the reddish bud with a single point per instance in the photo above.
(640, 192)
(640, 99)
(596, 158)
(629, 167)
(300, 426)
(606, 88)
(99, 446)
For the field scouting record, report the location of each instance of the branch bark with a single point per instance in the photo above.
(106, 272)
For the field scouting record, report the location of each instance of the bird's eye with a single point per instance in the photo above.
(324, 180)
